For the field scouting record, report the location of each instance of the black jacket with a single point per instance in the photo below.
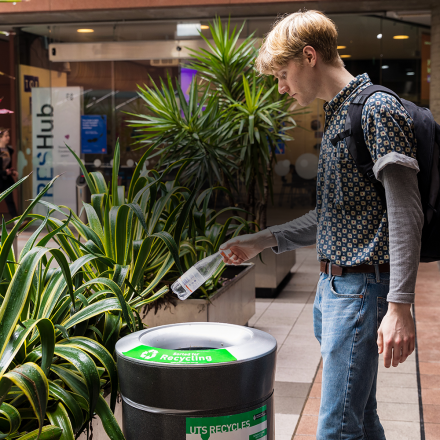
(3, 173)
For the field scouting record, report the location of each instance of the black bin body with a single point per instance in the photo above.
(197, 381)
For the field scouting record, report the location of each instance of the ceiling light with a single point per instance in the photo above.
(379, 36)
(410, 73)
(204, 26)
(400, 37)
(345, 56)
(341, 47)
(85, 31)
(385, 66)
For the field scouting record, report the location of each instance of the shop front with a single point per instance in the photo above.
(89, 76)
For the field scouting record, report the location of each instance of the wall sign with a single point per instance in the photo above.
(94, 134)
(56, 116)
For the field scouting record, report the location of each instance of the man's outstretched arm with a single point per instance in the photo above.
(287, 237)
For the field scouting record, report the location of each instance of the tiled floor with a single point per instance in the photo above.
(428, 331)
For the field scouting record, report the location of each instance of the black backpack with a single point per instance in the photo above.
(427, 133)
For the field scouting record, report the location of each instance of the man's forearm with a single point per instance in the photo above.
(405, 222)
(295, 234)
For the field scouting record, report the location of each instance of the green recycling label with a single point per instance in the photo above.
(251, 425)
(164, 356)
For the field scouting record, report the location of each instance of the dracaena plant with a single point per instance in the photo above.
(237, 141)
(261, 116)
(198, 130)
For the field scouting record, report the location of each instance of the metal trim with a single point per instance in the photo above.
(154, 410)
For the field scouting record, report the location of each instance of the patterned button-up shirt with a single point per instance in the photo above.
(352, 222)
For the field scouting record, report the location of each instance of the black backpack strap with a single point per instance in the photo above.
(355, 139)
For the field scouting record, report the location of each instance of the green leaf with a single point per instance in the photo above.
(89, 181)
(47, 337)
(7, 244)
(47, 433)
(94, 221)
(60, 418)
(16, 295)
(70, 403)
(87, 368)
(12, 416)
(101, 353)
(126, 311)
(31, 379)
(109, 422)
(93, 310)
(115, 175)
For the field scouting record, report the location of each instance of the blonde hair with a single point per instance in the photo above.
(292, 34)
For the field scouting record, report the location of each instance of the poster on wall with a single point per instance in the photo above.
(94, 134)
(30, 78)
(56, 118)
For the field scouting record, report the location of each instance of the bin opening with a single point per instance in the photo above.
(196, 336)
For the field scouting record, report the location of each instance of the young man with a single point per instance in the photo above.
(369, 252)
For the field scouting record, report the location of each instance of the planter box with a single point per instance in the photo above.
(274, 273)
(234, 303)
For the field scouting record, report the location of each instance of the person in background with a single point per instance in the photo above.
(8, 175)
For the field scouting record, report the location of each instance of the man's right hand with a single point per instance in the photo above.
(245, 247)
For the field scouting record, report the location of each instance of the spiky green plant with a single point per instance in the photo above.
(237, 141)
(50, 376)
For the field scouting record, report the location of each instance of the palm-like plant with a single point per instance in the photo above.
(198, 130)
(250, 119)
(226, 62)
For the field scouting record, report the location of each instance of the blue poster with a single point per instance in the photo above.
(94, 134)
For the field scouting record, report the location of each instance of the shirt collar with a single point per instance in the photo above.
(334, 105)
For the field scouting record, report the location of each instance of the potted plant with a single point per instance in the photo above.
(229, 296)
(229, 129)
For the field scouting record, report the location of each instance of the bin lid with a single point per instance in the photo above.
(195, 343)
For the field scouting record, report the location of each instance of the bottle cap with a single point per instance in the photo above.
(226, 253)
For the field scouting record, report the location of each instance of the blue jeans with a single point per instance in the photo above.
(347, 313)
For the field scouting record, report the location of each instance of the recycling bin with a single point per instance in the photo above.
(197, 381)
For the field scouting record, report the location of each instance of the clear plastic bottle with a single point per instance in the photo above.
(193, 278)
